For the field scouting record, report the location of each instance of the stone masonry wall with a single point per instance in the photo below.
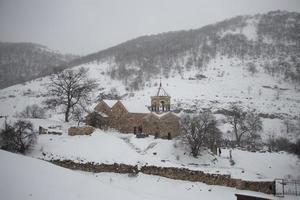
(173, 173)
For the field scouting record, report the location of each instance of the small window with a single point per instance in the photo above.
(163, 105)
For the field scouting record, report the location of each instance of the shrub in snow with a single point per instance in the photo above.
(283, 144)
(32, 111)
(19, 137)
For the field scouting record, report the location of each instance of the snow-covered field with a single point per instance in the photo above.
(112, 147)
(27, 178)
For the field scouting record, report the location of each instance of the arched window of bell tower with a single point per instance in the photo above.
(162, 106)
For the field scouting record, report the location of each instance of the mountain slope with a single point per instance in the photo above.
(255, 70)
(270, 41)
(20, 62)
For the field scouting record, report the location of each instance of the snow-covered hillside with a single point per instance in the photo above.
(27, 178)
(227, 80)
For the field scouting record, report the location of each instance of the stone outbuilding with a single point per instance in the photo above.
(132, 117)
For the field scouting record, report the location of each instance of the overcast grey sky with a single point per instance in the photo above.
(87, 26)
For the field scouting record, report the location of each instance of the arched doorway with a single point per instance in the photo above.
(169, 136)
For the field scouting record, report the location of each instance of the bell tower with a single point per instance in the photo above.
(161, 101)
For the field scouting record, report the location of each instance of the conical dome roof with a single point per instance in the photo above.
(161, 91)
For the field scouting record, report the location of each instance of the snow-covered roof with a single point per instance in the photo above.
(135, 106)
(131, 106)
(160, 115)
(102, 114)
(110, 103)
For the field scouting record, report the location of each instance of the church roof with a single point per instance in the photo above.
(110, 103)
(131, 106)
(161, 91)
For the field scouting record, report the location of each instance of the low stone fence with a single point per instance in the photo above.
(173, 173)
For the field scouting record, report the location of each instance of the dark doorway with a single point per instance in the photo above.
(156, 135)
(140, 129)
(134, 130)
(169, 136)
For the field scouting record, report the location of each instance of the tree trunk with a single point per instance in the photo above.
(236, 133)
(67, 113)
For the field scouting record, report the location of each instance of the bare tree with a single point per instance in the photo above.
(236, 119)
(69, 89)
(253, 125)
(19, 137)
(198, 130)
(244, 124)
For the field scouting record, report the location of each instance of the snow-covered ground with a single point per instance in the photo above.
(227, 81)
(27, 178)
(112, 147)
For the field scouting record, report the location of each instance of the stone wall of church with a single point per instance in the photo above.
(169, 124)
(131, 122)
(166, 126)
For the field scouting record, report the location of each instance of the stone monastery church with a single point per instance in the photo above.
(128, 117)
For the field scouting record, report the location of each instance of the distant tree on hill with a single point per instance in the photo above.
(70, 89)
(199, 131)
(19, 137)
(252, 68)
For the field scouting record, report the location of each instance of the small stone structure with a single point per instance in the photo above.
(158, 120)
(86, 130)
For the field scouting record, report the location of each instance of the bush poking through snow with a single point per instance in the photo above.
(19, 137)
(32, 111)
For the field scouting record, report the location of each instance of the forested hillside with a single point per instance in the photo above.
(20, 62)
(270, 41)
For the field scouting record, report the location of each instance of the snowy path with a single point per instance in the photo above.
(137, 149)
